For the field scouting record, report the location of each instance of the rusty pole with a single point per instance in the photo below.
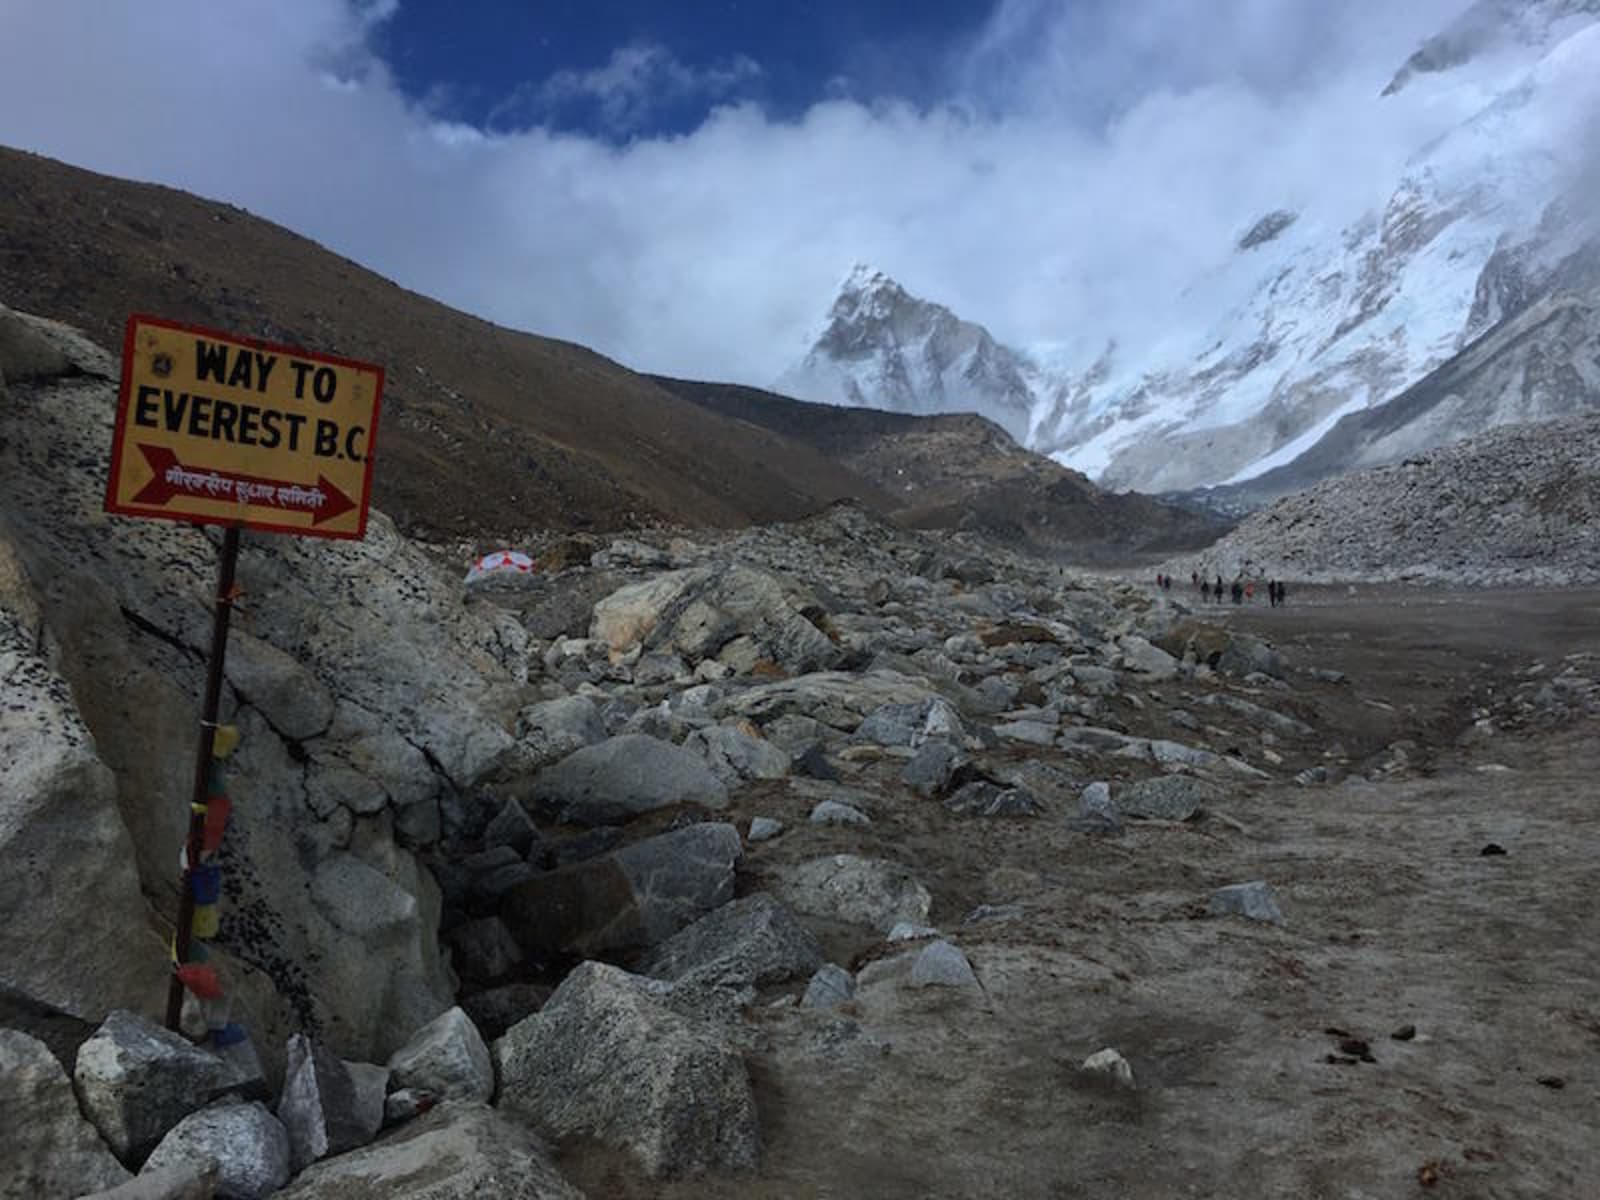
(202, 764)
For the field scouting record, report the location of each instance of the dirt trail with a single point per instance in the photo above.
(1396, 920)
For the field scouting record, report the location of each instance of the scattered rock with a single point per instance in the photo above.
(1405, 1033)
(625, 776)
(447, 1057)
(830, 986)
(320, 1107)
(50, 1149)
(735, 754)
(764, 828)
(751, 941)
(1253, 900)
(246, 1142)
(1492, 850)
(459, 1151)
(136, 1080)
(863, 891)
(1109, 1063)
(1167, 798)
(607, 1059)
(941, 964)
(930, 769)
(831, 812)
(1097, 811)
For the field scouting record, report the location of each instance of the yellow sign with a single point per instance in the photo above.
(216, 428)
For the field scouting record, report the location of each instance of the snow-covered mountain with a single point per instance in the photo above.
(1310, 323)
(883, 348)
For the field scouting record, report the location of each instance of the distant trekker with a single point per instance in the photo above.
(1238, 591)
(1205, 589)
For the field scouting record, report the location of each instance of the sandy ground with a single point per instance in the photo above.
(1242, 1036)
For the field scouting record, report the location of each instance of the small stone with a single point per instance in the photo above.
(907, 931)
(1253, 900)
(1492, 850)
(929, 770)
(764, 828)
(1108, 1062)
(831, 985)
(942, 965)
(831, 812)
(1405, 1033)
(407, 1103)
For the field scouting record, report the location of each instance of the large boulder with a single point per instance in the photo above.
(847, 887)
(621, 777)
(136, 1080)
(447, 1057)
(458, 1151)
(1167, 797)
(739, 614)
(247, 1144)
(754, 940)
(50, 1150)
(736, 753)
(634, 897)
(552, 729)
(607, 1059)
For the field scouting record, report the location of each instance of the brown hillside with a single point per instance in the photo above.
(959, 470)
(485, 430)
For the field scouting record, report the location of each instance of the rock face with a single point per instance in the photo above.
(607, 1059)
(50, 1149)
(625, 776)
(246, 1142)
(459, 1151)
(136, 1080)
(358, 675)
(634, 897)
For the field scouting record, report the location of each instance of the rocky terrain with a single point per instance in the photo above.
(1515, 506)
(824, 857)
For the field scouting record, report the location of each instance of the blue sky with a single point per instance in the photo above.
(504, 65)
(683, 185)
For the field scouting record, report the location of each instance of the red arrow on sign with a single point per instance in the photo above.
(172, 479)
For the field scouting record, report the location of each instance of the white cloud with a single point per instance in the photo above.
(1089, 160)
(634, 84)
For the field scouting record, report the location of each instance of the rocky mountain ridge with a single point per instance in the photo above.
(1517, 506)
(1304, 324)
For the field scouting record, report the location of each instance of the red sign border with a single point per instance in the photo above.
(125, 388)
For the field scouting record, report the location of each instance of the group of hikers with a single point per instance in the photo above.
(1241, 591)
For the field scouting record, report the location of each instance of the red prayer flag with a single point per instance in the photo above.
(201, 980)
(217, 809)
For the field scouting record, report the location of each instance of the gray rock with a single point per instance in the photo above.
(1036, 733)
(930, 769)
(320, 1106)
(831, 812)
(863, 891)
(1248, 655)
(512, 827)
(1253, 900)
(621, 777)
(1097, 811)
(636, 897)
(1311, 776)
(831, 985)
(1140, 657)
(552, 729)
(942, 965)
(734, 756)
(1108, 1062)
(136, 1080)
(910, 931)
(484, 949)
(458, 1151)
(50, 1150)
(246, 1142)
(447, 1057)
(750, 941)
(764, 828)
(169, 1183)
(371, 1083)
(1167, 798)
(606, 1059)
(892, 724)
(982, 798)
(406, 1105)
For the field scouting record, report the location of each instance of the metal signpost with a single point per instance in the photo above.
(214, 428)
